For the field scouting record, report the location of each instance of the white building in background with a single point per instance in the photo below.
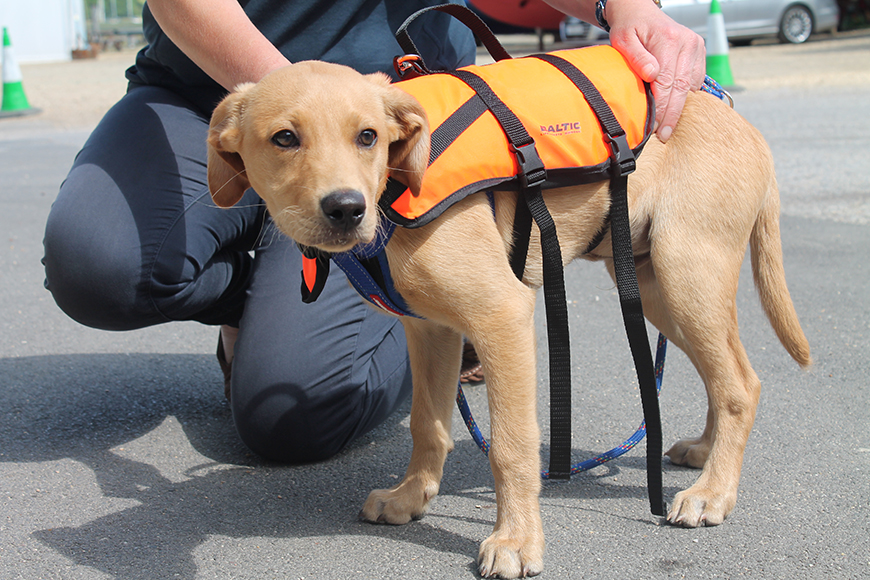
(44, 30)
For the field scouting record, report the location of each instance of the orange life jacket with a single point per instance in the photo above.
(471, 152)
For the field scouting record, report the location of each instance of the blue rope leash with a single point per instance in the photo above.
(715, 89)
(480, 440)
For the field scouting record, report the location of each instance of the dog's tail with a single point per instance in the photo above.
(767, 269)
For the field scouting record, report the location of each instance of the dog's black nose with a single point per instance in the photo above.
(345, 209)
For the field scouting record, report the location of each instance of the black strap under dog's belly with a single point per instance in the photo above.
(638, 340)
(530, 177)
(622, 163)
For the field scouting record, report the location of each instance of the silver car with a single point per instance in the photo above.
(791, 20)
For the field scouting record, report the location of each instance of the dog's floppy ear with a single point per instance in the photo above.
(409, 148)
(227, 181)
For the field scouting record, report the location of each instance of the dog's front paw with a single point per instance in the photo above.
(504, 555)
(398, 505)
(696, 507)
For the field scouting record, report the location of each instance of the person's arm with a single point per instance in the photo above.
(666, 54)
(219, 37)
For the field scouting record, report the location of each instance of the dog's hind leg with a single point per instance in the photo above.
(435, 354)
(689, 452)
(698, 282)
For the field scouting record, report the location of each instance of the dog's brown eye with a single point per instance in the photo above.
(367, 138)
(285, 139)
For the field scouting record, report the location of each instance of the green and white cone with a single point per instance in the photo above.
(718, 66)
(14, 99)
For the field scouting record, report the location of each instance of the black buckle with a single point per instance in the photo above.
(410, 66)
(532, 170)
(621, 155)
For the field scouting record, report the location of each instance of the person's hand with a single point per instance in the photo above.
(667, 55)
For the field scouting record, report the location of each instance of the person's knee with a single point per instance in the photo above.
(287, 424)
(92, 276)
(280, 426)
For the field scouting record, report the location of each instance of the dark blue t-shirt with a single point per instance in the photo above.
(357, 33)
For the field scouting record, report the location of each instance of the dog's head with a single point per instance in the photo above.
(317, 142)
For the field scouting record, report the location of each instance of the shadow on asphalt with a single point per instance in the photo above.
(88, 407)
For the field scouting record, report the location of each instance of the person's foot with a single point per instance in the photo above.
(471, 370)
(225, 351)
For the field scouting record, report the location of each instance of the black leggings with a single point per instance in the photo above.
(134, 240)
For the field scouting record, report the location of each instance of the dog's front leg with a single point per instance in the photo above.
(507, 352)
(435, 354)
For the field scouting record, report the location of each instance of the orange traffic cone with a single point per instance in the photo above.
(14, 100)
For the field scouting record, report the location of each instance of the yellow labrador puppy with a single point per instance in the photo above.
(313, 131)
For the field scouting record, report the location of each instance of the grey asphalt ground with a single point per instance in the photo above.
(118, 457)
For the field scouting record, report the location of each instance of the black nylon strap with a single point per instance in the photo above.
(602, 110)
(531, 169)
(531, 175)
(635, 328)
(464, 15)
(513, 127)
(440, 139)
(623, 163)
(635, 324)
(598, 238)
(454, 125)
(558, 337)
(522, 233)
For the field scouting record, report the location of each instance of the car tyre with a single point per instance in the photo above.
(796, 25)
